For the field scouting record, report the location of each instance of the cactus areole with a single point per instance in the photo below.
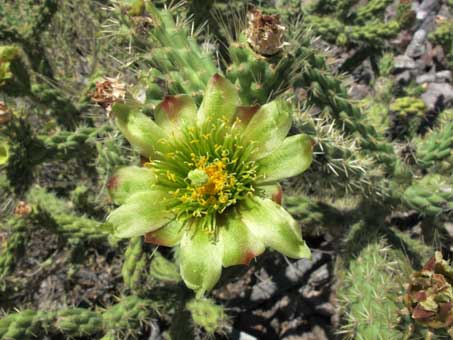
(211, 183)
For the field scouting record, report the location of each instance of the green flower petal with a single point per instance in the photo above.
(169, 235)
(201, 261)
(274, 226)
(293, 157)
(220, 100)
(269, 127)
(129, 180)
(239, 244)
(175, 110)
(139, 129)
(244, 114)
(143, 212)
(274, 192)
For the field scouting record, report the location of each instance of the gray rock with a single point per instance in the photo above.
(427, 7)
(444, 76)
(417, 46)
(449, 230)
(437, 96)
(426, 78)
(297, 270)
(403, 78)
(263, 290)
(403, 62)
(358, 91)
(320, 276)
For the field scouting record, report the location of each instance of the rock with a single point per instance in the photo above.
(444, 76)
(263, 290)
(237, 335)
(426, 78)
(320, 276)
(358, 91)
(403, 62)
(426, 8)
(437, 96)
(325, 309)
(417, 46)
(294, 273)
(403, 79)
(438, 56)
(449, 229)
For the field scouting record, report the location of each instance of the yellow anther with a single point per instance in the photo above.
(171, 176)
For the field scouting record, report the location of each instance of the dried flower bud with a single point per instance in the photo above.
(142, 24)
(22, 209)
(5, 114)
(429, 295)
(108, 92)
(265, 33)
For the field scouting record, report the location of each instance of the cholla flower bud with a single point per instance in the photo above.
(429, 294)
(265, 33)
(108, 92)
(211, 184)
(22, 209)
(5, 114)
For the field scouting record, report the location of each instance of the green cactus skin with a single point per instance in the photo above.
(206, 314)
(430, 196)
(407, 115)
(123, 318)
(135, 261)
(369, 290)
(14, 246)
(163, 269)
(54, 212)
(434, 152)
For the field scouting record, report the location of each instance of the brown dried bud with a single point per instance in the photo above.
(265, 33)
(142, 24)
(108, 92)
(429, 295)
(22, 209)
(5, 114)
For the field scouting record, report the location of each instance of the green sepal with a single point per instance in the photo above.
(220, 100)
(143, 212)
(201, 261)
(129, 180)
(139, 129)
(274, 226)
(292, 158)
(268, 127)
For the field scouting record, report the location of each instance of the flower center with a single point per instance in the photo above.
(207, 170)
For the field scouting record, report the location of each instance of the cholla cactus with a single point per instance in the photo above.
(429, 294)
(209, 184)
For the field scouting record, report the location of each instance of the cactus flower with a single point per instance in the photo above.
(211, 183)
